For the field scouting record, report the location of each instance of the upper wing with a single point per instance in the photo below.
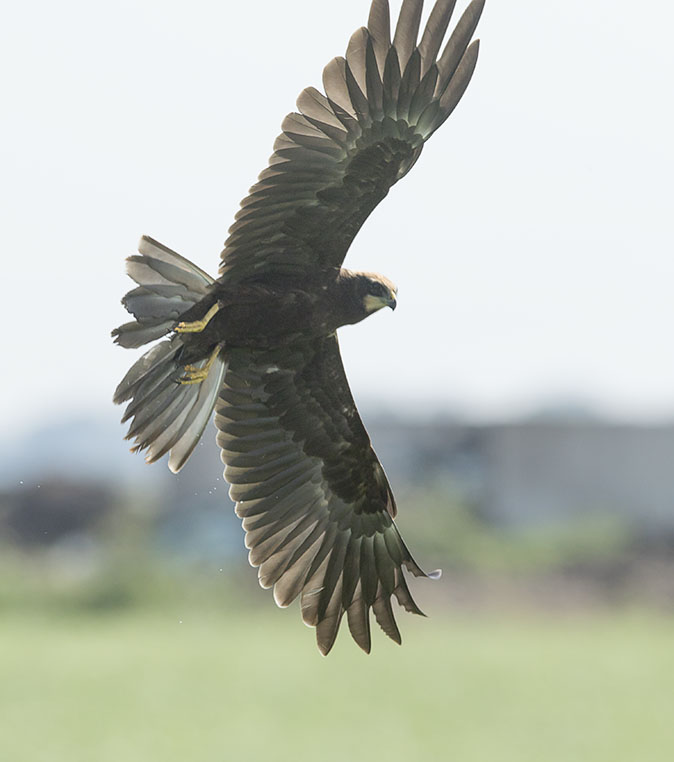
(337, 158)
(315, 502)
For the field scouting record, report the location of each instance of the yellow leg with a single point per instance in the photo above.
(198, 325)
(194, 375)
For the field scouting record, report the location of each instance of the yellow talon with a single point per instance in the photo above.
(195, 375)
(198, 326)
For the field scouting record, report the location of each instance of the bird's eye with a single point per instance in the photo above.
(376, 289)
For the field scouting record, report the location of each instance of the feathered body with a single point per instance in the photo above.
(281, 310)
(259, 344)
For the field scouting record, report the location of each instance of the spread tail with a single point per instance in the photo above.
(167, 414)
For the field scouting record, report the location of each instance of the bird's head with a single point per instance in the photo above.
(361, 294)
(376, 292)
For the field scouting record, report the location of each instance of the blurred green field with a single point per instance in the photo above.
(246, 685)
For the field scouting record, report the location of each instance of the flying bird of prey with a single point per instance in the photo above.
(259, 344)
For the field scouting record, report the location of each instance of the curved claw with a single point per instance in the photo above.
(197, 326)
(194, 374)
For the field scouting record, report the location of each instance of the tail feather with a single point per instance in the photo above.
(168, 286)
(148, 371)
(182, 412)
(166, 271)
(201, 407)
(133, 335)
(166, 415)
(151, 249)
(157, 303)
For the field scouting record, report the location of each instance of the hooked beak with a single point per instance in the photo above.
(392, 303)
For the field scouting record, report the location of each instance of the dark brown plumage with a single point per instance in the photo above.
(259, 343)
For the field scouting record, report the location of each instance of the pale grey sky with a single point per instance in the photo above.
(532, 243)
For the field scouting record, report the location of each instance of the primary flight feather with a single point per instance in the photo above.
(259, 343)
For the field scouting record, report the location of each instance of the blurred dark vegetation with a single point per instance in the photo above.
(543, 514)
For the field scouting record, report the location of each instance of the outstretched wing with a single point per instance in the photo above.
(315, 502)
(337, 158)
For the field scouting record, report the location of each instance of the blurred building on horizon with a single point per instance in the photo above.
(528, 473)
